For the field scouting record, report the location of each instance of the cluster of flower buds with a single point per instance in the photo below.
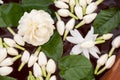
(5, 60)
(43, 69)
(81, 10)
(107, 59)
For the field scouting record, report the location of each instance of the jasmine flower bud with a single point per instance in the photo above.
(37, 70)
(53, 77)
(89, 1)
(69, 26)
(24, 59)
(101, 61)
(72, 4)
(61, 4)
(78, 11)
(12, 51)
(3, 54)
(66, 13)
(60, 27)
(83, 3)
(42, 61)
(19, 40)
(51, 67)
(91, 8)
(5, 71)
(9, 61)
(108, 64)
(107, 36)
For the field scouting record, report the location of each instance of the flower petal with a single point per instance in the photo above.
(76, 50)
(86, 53)
(95, 49)
(94, 54)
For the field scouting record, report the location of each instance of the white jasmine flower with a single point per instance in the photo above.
(107, 36)
(91, 8)
(37, 70)
(33, 58)
(5, 71)
(3, 54)
(36, 27)
(61, 4)
(78, 11)
(24, 59)
(19, 39)
(1, 2)
(53, 77)
(84, 45)
(12, 51)
(116, 42)
(60, 27)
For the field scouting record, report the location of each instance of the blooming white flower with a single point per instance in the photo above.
(5, 70)
(61, 4)
(84, 45)
(3, 54)
(36, 27)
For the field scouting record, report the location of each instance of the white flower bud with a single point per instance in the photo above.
(70, 24)
(51, 66)
(89, 1)
(87, 44)
(107, 36)
(10, 42)
(3, 54)
(78, 11)
(110, 62)
(53, 77)
(60, 27)
(63, 12)
(89, 18)
(67, 1)
(7, 62)
(102, 60)
(25, 56)
(19, 40)
(12, 51)
(116, 42)
(71, 2)
(91, 8)
(33, 58)
(61, 4)
(5, 70)
(83, 3)
(42, 59)
(37, 70)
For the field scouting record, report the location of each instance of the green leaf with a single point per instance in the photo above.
(54, 48)
(6, 78)
(75, 67)
(28, 5)
(107, 20)
(10, 14)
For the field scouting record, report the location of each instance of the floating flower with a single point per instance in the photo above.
(84, 45)
(5, 71)
(36, 27)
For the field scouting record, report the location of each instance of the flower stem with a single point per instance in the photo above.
(96, 69)
(31, 77)
(43, 71)
(48, 76)
(37, 50)
(80, 24)
(99, 38)
(19, 47)
(102, 70)
(5, 45)
(84, 10)
(111, 51)
(72, 8)
(21, 66)
(16, 57)
(11, 31)
(1, 44)
(65, 34)
(77, 2)
(73, 16)
(99, 1)
(99, 42)
(58, 17)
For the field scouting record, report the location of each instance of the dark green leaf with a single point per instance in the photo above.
(107, 20)
(75, 67)
(54, 48)
(6, 78)
(36, 4)
(10, 14)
